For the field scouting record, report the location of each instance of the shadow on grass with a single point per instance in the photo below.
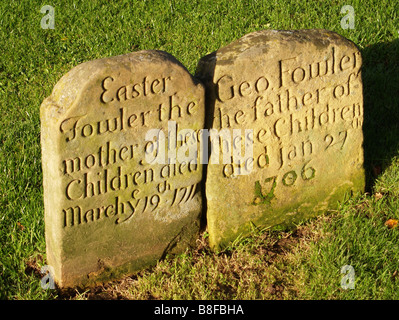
(381, 107)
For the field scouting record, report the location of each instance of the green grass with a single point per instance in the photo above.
(299, 264)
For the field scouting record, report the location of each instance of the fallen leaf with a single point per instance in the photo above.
(378, 195)
(20, 226)
(391, 223)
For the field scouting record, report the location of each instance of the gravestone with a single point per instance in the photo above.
(296, 98)
(120, 191)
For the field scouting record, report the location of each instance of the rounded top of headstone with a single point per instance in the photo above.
(274, 41)
(74, 83)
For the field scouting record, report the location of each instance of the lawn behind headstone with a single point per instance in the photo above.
(302, 263)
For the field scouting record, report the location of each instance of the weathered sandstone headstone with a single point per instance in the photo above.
(299, 96)
(120, 190)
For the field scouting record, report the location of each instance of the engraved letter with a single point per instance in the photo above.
(157, 146)
(221, 82)
(105, 99)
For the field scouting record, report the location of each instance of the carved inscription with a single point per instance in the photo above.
(114, 170)
(289, 106)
